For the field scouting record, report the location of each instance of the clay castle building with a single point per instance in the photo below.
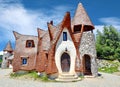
(63, 51)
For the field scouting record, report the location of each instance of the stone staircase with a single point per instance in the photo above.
(66, 77)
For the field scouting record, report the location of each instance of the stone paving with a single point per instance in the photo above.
(106, 80)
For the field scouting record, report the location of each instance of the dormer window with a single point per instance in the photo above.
(77, 28)
(64, 36)
(30, 43)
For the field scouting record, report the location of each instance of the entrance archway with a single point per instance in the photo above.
(65, 62)
(87, 64)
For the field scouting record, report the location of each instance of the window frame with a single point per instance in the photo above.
(30, 44)
(64, 36)
(26, 59)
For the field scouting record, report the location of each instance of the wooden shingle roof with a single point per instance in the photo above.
(81, 17)
(8, 47)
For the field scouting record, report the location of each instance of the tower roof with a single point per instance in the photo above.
(81, 17)
(8, 47)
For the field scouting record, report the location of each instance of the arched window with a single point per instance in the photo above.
(30, 43)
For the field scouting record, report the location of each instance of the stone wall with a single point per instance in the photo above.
(87, 46)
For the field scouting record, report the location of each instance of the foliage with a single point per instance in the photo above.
(108, 43)
(14, 75)
(1, 58)
(44, 78)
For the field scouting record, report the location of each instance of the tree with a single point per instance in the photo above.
(108, 43)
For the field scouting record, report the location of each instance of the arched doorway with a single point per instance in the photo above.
(87, 64)
(65, 62)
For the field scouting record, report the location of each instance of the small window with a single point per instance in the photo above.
(46, 55)
(77, 28)
(24, 61)
(30, 43)
(64, 36)
(5, 58)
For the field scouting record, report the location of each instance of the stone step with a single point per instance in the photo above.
(68, 80)
(68, 77)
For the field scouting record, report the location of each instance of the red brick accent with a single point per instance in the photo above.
(51, 68)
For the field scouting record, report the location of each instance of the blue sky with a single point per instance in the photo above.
(24, 16)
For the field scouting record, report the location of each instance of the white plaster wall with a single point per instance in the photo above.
(60, 49)
(4, 61)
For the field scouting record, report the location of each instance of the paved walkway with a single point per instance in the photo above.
(107, 80)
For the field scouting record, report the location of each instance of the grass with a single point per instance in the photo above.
(15, 75)
(108, 69)
(81, 76)
(30, 75)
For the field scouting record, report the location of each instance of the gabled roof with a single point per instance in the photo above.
(17, 35)
(41, 32)
(81, 17)
(52, 31)
(66, 23)
(46, 41)
(8, 47)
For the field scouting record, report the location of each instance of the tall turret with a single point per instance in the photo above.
(8, 47)
(8, 52)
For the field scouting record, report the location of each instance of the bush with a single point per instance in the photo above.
(108, 43)
(44, 78)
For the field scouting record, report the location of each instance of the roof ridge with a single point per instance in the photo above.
(52, 29)
(41, 32)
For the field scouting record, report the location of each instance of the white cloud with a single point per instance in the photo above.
(13, 16)
(1, 52)
(114, 21)
(110, 20)
(98, 27)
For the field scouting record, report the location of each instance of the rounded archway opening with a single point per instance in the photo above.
(65, 62)
(87, 64)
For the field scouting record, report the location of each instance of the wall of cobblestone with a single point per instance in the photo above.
(87, 46)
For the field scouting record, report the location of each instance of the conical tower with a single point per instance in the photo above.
(8, 47)
(81, 18)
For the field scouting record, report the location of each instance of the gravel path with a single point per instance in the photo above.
(107, 80)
